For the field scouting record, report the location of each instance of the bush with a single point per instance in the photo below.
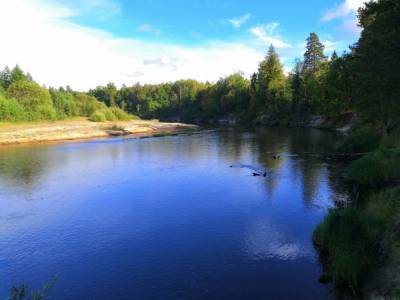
(87, 105)
(376, 169)
(98, 116)
(120, 114)
(109, 115)
(364, 139)
(11, 110)
(341, 235)
(46, 112)
(64, 104)
(29, 94)
(350, 237)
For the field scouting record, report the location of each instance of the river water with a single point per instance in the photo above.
(166, 217)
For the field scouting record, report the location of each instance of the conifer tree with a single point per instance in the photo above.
(314, 55)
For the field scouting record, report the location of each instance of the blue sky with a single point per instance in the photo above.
(192, 22)
(154, 40)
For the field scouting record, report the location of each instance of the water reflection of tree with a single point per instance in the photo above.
(301, 150)
(312, 148)
(22, 166)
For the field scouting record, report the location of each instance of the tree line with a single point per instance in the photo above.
(363, 79)
(22, 99)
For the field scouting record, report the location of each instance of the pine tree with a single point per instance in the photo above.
(314, 55)
(5, 78)
(271, 81)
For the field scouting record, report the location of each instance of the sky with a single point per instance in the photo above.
(88, 43)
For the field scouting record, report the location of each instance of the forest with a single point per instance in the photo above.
(362, 80)
(355, 241)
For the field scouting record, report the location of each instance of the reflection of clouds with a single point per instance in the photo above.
(264, 240)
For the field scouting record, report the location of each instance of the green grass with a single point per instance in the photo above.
(376, 169)
(350, 238)
(361, 140)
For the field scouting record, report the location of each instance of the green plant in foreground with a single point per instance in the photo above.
(98, 116)
(350, 238)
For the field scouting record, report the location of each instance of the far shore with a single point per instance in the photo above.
(81, 129)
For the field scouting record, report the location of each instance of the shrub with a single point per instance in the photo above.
(46, 112)
(64, 104)
(376, 168)
(364, 139)
(341, 235)
(98, 116)
(120, 114)
(350, 237)
(29, 94)
(87, 105)
(109, 115)
(11, 110)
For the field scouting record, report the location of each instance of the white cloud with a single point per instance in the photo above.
(347, 8)
(149, 29)
(58, 52)
(240, 21)
(266, 34)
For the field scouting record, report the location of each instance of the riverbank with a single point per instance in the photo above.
(78, 129)
(360, 243)
(341, 123)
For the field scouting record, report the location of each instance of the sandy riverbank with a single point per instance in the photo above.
(77, 129)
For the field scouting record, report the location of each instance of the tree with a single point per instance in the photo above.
(271, 82)
(377, 62)
(338, 85)
(314, 55)
(17, 74)
(29, 94)
(296, 82)
(5, 78)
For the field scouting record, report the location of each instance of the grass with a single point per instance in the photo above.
(376, 169)
(361, 140)
(350, 238)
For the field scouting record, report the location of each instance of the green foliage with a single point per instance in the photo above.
(29, 94)
(314, 55)
(108, 114)
(120, 114)
(87, 105)
(376, 62)
(5, 78)
(98, 116)
(64, 103)
(269, 85)
(376, 169)
(361, 140)
(342, 236)
(350, 237)
(11, 110)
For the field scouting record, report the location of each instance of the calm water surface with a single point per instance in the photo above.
(167, 218)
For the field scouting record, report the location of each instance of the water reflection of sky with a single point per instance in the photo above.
(167, 216)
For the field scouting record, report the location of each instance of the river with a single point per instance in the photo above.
(166, 217)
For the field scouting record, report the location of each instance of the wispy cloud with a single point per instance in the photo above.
(240, 21)
(346, 9)
(59, 52)
(267, 34)
(102, 9)
(347, 13)
(149, 29)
